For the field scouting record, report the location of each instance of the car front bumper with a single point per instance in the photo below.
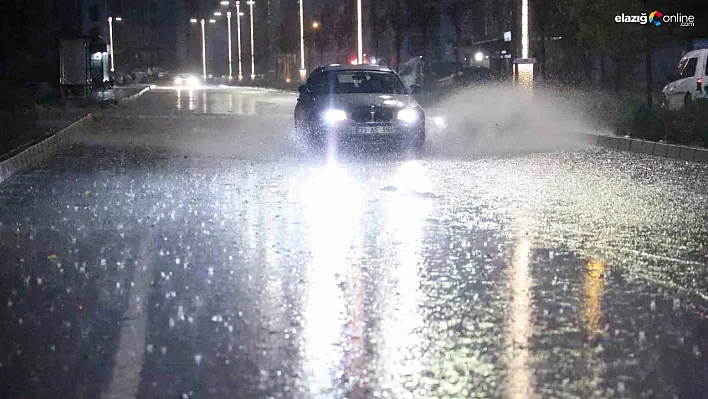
(374, 131)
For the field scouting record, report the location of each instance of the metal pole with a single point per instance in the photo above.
(238, 27)
(303, 71)
(110, 34)
(231, 71)
(360, 39)
(202, 22)
(253, 63)
(524, 28)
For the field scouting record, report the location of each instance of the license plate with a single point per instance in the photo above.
(375, 129)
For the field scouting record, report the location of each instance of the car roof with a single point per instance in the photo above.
(695, 53)
(364, 67)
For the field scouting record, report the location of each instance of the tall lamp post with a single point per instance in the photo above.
(231, 70)
(360, 39)
(524, 65)
(238, 28)
(253, 63)
(303, 71)
(202, 22)
(110, 34)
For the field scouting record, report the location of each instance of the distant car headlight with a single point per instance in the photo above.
(178, 81)
(192, 81)
(408, 115)
(334, 116)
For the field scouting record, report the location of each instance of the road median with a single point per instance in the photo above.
(44, 147)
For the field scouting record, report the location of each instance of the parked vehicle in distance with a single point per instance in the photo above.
(690, 84)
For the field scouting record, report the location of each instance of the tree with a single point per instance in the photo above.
(422, 15)
(394, 11)
(461, 12)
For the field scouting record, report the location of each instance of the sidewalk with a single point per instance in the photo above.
(28, 124)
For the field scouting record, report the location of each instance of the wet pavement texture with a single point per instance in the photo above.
(187, 246)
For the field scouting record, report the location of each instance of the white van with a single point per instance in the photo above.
(691, 82)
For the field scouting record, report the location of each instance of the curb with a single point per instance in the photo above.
(50, 145)
(134, 96)
(674, 151)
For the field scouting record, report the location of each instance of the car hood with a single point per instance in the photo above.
(347, 101)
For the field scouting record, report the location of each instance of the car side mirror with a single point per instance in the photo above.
(304, 90)
(414, 89)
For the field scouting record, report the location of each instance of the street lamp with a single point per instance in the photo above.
(360, 39)
(253, 63)
(231, 71)
(303, 71)
(238, 28)
(202, 22)
(110, 34)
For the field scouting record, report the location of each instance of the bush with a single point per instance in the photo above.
(685, 126)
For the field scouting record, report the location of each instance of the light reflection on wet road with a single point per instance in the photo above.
(274, 273)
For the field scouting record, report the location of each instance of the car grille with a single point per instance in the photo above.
(380, 114)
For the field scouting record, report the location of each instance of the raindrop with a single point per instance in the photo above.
(198, 359)
(163, 350)
(620, 387)
(180, 313)
(103, 262)
(211, 271)
(149, 348)
(217, 318)
(172, 322)
(677, 303)
(177, 261)
(652, 305)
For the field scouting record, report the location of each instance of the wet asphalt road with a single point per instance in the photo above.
(188, 247)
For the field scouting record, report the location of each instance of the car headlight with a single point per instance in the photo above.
(178, 81)
(334, 116)
(408, 115)
(192, 81)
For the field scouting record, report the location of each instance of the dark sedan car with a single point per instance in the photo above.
(364, 102)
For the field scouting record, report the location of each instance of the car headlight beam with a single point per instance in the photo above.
(178, 81)
(408, 115)
(334, 116)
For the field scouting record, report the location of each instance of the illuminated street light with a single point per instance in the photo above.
(119, 19)
(303, 71)
(524, 28)
(217, 13)
(204, 71)
(110, 34)
(315, 25)
(253, 63)
(231, 70)
(523, 67)
(193, 20)
(239, 14)
(360, 39)
(479, 56)
(212, 21)
(224, 3)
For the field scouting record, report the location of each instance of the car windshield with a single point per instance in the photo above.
(349, 82)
